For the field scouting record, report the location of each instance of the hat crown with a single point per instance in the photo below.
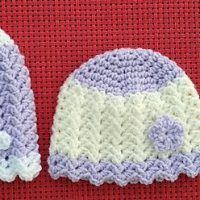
(124, 71)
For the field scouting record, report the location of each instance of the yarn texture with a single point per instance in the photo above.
(126, 116)
(166, 134)
(18, 132)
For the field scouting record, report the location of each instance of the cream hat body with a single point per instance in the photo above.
(126, 116)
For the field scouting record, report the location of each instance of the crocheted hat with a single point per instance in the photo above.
(18, 139)
(126, 116)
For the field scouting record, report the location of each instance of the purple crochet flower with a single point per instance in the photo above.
(166, 134)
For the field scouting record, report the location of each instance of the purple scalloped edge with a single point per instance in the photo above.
(125, 172)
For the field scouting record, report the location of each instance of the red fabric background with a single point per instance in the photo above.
(57, 36)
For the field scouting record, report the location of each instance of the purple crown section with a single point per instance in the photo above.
(17, 109)
(126, 172)
(126, 71)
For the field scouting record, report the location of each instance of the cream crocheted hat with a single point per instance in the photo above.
(18, 139)
(126, 116)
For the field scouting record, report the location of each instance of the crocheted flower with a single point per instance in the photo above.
(166, 134)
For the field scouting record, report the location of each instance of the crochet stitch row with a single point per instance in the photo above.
(125, 172)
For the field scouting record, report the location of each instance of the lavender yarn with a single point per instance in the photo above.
(17, 109)
(166, 134)
(126, 71)
(126, 172)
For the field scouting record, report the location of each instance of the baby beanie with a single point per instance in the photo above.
(18, 132)
(126, 116)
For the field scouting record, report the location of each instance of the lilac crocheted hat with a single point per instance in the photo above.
(126, 116)
(18, 139)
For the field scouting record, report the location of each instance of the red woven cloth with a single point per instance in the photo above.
(57, 36)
